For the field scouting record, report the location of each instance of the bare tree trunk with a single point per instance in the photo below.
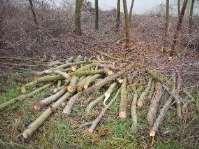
(127, 31)
(33, 12)
(118, 15)
(178, 8)
(78, 7)
(131, 10)
(96, 15)
(167, 19)
(179, 26)
(190, 16)
(165, 38)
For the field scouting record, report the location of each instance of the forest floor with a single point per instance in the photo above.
(19, 58)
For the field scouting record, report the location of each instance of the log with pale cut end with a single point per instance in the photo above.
(49, 99)
(23, 97)
(40, 120)
(133, 111)
(173, 94)
(108, 93)
(93, 103)
(72, 87)
(67, 110)
(74, 68)
(145, 93)
(160, 117)
(99, 117)
(162, 113)
(80, 84)
(154, 104)
(90, 80)
(47, 78)
(124, 100)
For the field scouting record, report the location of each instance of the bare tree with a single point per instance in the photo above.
(167, 19)
(96, 15)
(131, 10)
(33, 12)
(118, 15)
(179, 26)
(126, 17)
(78, 7)
(179, 8)
(190, 16)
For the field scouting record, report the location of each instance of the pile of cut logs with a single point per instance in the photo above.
(76, 77)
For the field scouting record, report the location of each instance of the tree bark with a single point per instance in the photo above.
(190, 16)
(131, 11)
(178, 8)
(141, 101)
(40, 120)
(179, 26)
(49, 99)
(126, 18)
(167, 20)
(33, 12)
(78, 7)
(67, 110)
(96, 15)
(124, 100)
(154, 104)
(133, 111)
(118, 15)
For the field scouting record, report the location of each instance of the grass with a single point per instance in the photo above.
(63, 132)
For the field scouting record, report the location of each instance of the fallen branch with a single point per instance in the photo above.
(144, 94)
(23, 97)
(39, 121)
(108, 93)
(93, 103)
(154, 104)
(91, 80)
(48, 78)
(49, 99)
(97, 120)
(124, 100)
(133, 112)
(72, 87)
(162, 114)
(67, 110)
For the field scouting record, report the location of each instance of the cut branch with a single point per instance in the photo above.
(67, 110)
(124, 100)
(49, 99)
(22, 97)
(144, 94)
(40, 120)
(97, 120)
(154, 104)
